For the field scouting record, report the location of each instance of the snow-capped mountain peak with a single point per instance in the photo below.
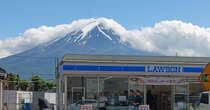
(88, 24)
(84, 26)
(84, 29)
(86, 36)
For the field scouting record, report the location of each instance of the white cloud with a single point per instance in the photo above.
(171, 37)
(31, 38)
(166, 37)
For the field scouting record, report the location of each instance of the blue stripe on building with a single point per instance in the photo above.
(121, 68)
(86, 67)
(134, 68)
(110, 68)
(69, 67)
(193, 69)
(103, 68)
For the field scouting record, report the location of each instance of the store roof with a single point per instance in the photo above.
(84, 58)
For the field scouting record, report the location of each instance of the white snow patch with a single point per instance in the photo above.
(87, 29)
(104, 33)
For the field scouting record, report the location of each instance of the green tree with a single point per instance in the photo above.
(35, 82)
(50, 85)
(24, 84)
(12, 81)
(38, 83)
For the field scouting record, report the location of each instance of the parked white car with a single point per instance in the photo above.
(204, 101)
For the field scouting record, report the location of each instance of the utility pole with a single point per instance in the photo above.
(57, 83)
(1, 94)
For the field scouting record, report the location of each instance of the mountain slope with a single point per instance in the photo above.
(96, 37)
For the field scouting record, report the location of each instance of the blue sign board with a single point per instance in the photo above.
(141, 68)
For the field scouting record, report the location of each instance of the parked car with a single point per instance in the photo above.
(44, 105)
(204, 101)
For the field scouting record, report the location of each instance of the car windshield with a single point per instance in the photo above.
(204, 98)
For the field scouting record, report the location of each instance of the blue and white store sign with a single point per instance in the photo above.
(164, 68)
(140, 68)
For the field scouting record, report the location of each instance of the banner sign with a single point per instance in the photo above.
(143, 107)
(160, 81)
(86, 107)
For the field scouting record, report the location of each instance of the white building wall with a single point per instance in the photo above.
(23, 95)
(50, 97)
(14, 98)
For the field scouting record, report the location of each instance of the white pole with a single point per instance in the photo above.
(57, 94)
(0, 95)
(57, 84)
(65, 93)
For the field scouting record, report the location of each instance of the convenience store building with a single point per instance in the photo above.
(172, 80)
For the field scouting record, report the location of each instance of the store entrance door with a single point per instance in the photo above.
(159, 97)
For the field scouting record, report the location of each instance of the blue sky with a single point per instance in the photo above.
(162, 26)
(16, 16)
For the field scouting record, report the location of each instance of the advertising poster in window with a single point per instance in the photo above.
(160, 81)
(144, 107)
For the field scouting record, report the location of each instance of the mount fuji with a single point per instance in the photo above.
(97, 36)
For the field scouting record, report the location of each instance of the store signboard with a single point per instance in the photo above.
(164, 68)
(144, 107)
(160, 81)
(86, 107)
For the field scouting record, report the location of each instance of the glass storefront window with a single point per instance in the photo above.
(116, 91)
(195, 89)
(88, 90)
(136, 84)
(181, 97)
(187, 96)
(91, 88)
(80, 91)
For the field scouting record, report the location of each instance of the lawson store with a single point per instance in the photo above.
(172, 80)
